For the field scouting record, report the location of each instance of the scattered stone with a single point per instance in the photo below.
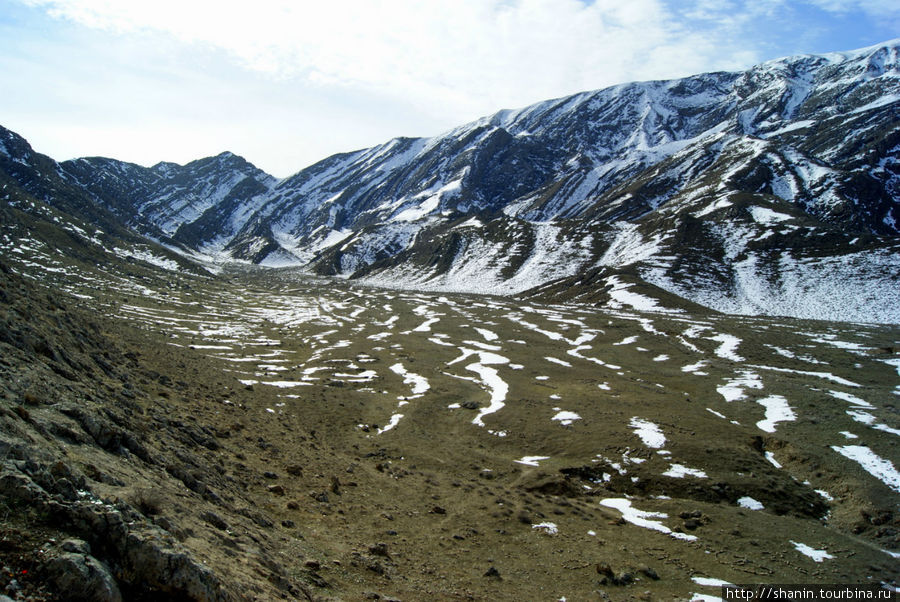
(438, 510)
(287, 524)
(493, 572)
(335, 486)
(313, 565)
(295, 470)
(276, 489)
(270, 475)
(470, 405)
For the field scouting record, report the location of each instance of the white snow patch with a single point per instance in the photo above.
(621, 296)
(649, 433)
(733, 390)
(547, 527)
(531, 460)
(566, 418)
(777, 410)
(487, 334)
(852, 399)
(679, 471)
(878, 467)
(642, 518)
(419, 383)
(709, 582)
(729, 345)
(749, 503)
(395, 419)
(558, 361)
(816, 555)
(768, 217)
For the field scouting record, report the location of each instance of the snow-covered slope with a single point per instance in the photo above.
(737, 191)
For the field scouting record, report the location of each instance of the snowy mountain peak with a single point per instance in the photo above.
(672, 184)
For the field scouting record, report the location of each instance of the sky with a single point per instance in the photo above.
(286, 83)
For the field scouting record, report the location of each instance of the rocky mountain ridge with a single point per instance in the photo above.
(731, 190)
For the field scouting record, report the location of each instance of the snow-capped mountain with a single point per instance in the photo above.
(201, 205)
(749, 192)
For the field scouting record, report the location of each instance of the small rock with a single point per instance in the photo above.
(492, 572)
(287, 524)
(335, 486)
(276, 489)
(295, 470)
(470, 405)
(313, 565)
(270, 475)
(438, 510)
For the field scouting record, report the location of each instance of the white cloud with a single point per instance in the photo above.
(875, 8)
(459, 57)
(286, 82)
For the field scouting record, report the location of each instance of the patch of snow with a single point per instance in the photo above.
(649, 433)
(566, 418)
(548, 527)
(875, 465)
(816, 555)
(395, 419)
(558, 361)
(734, 389)
(729, 345)
(531, 460)
(777, 410)
(749, 503)
(709, 582)
(679, 471)
(642, 518)
(621, 296)
(487, 334)
(419, 384)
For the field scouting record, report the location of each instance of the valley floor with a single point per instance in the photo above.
(315, 439)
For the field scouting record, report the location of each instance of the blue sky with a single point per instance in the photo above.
(285, 83)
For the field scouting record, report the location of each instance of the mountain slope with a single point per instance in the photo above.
(732, 190)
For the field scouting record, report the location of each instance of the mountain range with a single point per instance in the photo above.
(774, 190)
